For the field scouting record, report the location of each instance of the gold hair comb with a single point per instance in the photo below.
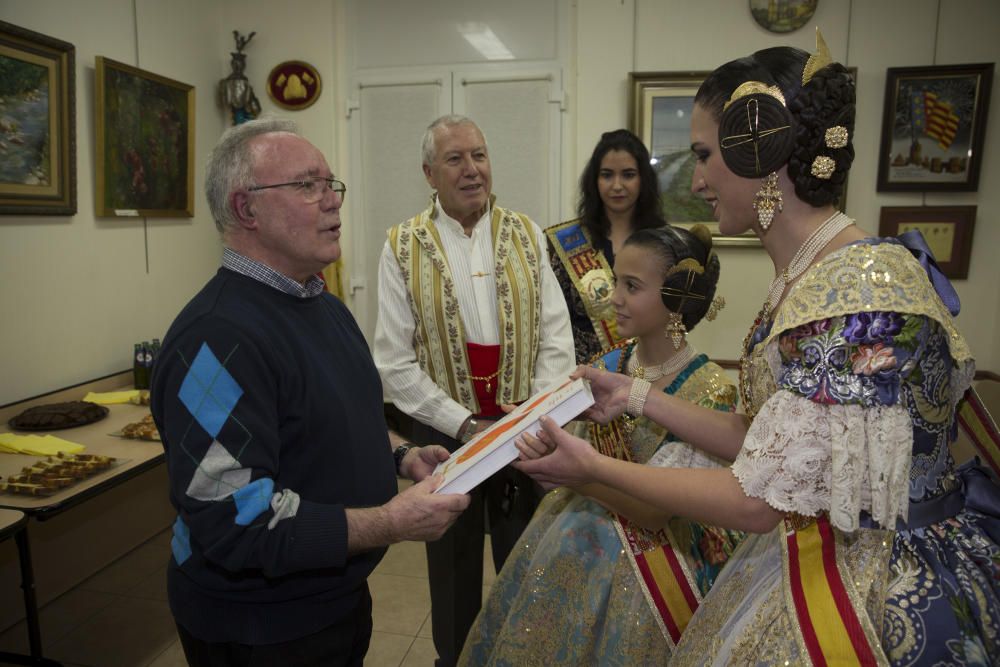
(818, 60)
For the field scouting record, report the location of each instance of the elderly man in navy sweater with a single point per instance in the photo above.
(271, 414)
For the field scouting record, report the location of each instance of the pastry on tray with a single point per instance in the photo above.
(55, 472)
(144, 429)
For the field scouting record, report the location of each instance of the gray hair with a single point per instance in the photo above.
(230, 166)
(428, 149)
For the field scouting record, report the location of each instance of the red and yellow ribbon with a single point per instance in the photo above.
(663, 577)
(831, 629)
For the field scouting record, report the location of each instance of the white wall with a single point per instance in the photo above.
(75, 292)
(299, 30)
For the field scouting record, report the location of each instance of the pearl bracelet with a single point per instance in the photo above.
(637, 397)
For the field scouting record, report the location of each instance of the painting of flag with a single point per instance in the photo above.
(933, 127)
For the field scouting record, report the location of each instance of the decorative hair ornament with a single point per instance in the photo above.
(752, 88)
(718, 303)
(744, 128)
(675, 329)
(818, 60)
(836, 137)
(689, 264)
(823, 167)
(755, 130)
(768, 201)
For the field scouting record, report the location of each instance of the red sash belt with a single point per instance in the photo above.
(484, 364)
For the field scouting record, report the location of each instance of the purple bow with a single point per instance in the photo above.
(914, 241)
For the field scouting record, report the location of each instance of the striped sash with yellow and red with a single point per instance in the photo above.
(663, 576)
(831, 628)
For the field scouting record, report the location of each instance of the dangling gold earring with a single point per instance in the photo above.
(718, 303)
(675, 330)
(768, 200)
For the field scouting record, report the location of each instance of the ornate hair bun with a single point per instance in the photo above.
(756, 133)
(703, 234)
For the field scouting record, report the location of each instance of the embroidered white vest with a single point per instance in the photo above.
(439, 337)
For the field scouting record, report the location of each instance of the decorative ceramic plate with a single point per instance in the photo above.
(294, 85)
(782, 15)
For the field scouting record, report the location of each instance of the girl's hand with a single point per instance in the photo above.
(556, 458)
(610, 392)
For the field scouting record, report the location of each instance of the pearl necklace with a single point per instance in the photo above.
(805, 255)
(801, 261)
(673, 365)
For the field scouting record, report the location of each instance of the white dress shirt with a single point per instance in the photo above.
(470, 259)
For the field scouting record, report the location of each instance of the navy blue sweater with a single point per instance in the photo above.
(271, 414)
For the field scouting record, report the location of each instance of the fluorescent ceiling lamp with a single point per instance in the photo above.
(482, 39)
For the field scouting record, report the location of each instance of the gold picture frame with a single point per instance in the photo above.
(144, 131)
(660, 107)
(38, 129)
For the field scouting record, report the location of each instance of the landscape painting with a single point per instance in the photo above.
(37, 124)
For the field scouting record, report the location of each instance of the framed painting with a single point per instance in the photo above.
(37, 123)
(947, 230)
(933, 125)
(660, 108)
(145, 143)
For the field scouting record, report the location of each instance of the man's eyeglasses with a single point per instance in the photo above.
(312, 189)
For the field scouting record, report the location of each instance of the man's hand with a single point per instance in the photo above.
(610, 392)
(555, 458)
(421, 461)
(420, 514)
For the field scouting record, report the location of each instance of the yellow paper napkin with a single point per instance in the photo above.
(37, 445)
(113, 397)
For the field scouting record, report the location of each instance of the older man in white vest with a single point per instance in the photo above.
(470, 317)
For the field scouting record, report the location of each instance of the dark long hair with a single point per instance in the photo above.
(648, 207)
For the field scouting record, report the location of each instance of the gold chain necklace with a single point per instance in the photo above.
(487, 378)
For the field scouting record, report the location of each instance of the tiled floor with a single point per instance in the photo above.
(120, 618)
